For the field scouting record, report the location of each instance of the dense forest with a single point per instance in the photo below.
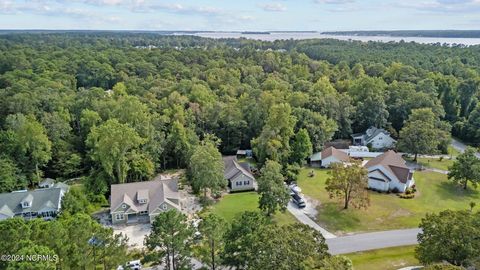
(118, 107)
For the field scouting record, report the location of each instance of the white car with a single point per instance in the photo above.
(135, 265)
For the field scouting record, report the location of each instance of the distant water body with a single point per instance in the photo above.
(311, 35)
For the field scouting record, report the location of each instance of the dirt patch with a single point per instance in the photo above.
(311, 207)
(400, 213)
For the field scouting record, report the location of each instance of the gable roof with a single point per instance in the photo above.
(46, 181)
(338, 154)
(39, 199)
(233, 168)
(394, 163)
(373, 132)
(157, 191)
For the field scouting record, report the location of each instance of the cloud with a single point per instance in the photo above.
(143, 7)
(334, 2)
(274, 7)
(443, 6)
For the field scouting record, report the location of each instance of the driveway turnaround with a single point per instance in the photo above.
(373, 240)
(303, 218)
(461, 147)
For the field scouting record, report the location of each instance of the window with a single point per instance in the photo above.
(124, 206)
(119, 216)
(26, 204)
(239, 183)
(380, 138)
(164, 206)
(246, 183)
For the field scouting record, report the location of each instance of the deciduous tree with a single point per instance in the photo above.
(466, 168)
(271, 186)
(349, 183)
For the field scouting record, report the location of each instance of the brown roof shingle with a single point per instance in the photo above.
(338, 154)
(394, 163)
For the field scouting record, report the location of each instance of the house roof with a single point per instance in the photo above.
(157, 191)
(372, 132)
(241, 152)
(394, 163)
(233, 168)
(46, 181)
(338, 154)
(316, 156)
(10, 203)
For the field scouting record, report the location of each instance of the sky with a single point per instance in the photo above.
(240, 15)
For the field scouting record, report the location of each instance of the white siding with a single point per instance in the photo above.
(241, 182)
(327, 162)
(382, 141)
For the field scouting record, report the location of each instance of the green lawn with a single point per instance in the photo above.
(436, 163)
(384, 259)
(232, 204)
(387, 211)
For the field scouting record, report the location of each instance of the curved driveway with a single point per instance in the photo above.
(373, 240)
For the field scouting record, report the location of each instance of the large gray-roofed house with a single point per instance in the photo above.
(238, 174)
(44, 203)
(143, 201)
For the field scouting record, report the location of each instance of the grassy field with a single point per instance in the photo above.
(232, 204)
(436, 163)
(387, 211)
(384, 259)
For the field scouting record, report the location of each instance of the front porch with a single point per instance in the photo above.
(138, 218)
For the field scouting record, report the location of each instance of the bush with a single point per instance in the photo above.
(395, 190)
(406, 196)
(441, 159)
(410, 191)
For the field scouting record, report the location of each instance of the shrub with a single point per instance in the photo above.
(441, 159)
(406, 196)
(395, 190)
(410, 191)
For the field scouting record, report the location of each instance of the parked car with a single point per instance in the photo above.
(134, 265)
(294, 189)
(298, 200)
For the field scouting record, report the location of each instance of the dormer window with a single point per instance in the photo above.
(142, 201)
(25, 204)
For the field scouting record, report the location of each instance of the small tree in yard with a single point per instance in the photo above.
(206, 167)
(422, 133)
(273, 192)
(213, 229)
(349, 183)
(170, 238)
(466, 169)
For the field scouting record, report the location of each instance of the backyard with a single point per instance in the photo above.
(384, 259)
(231, 205)
(387, 211)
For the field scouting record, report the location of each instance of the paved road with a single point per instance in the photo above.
(303, 218)
(374, 240)
(461, 146)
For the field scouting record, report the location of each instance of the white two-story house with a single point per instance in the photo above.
(378, 138)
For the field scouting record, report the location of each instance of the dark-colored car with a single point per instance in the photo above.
(298, 200)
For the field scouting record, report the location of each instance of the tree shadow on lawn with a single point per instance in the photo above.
(336, 218)
(452, 191)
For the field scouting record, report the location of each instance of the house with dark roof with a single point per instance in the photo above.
(141, 202)
(389, 172)
(238, 174)
(39, 203)
(378, 138)
(328, 157)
